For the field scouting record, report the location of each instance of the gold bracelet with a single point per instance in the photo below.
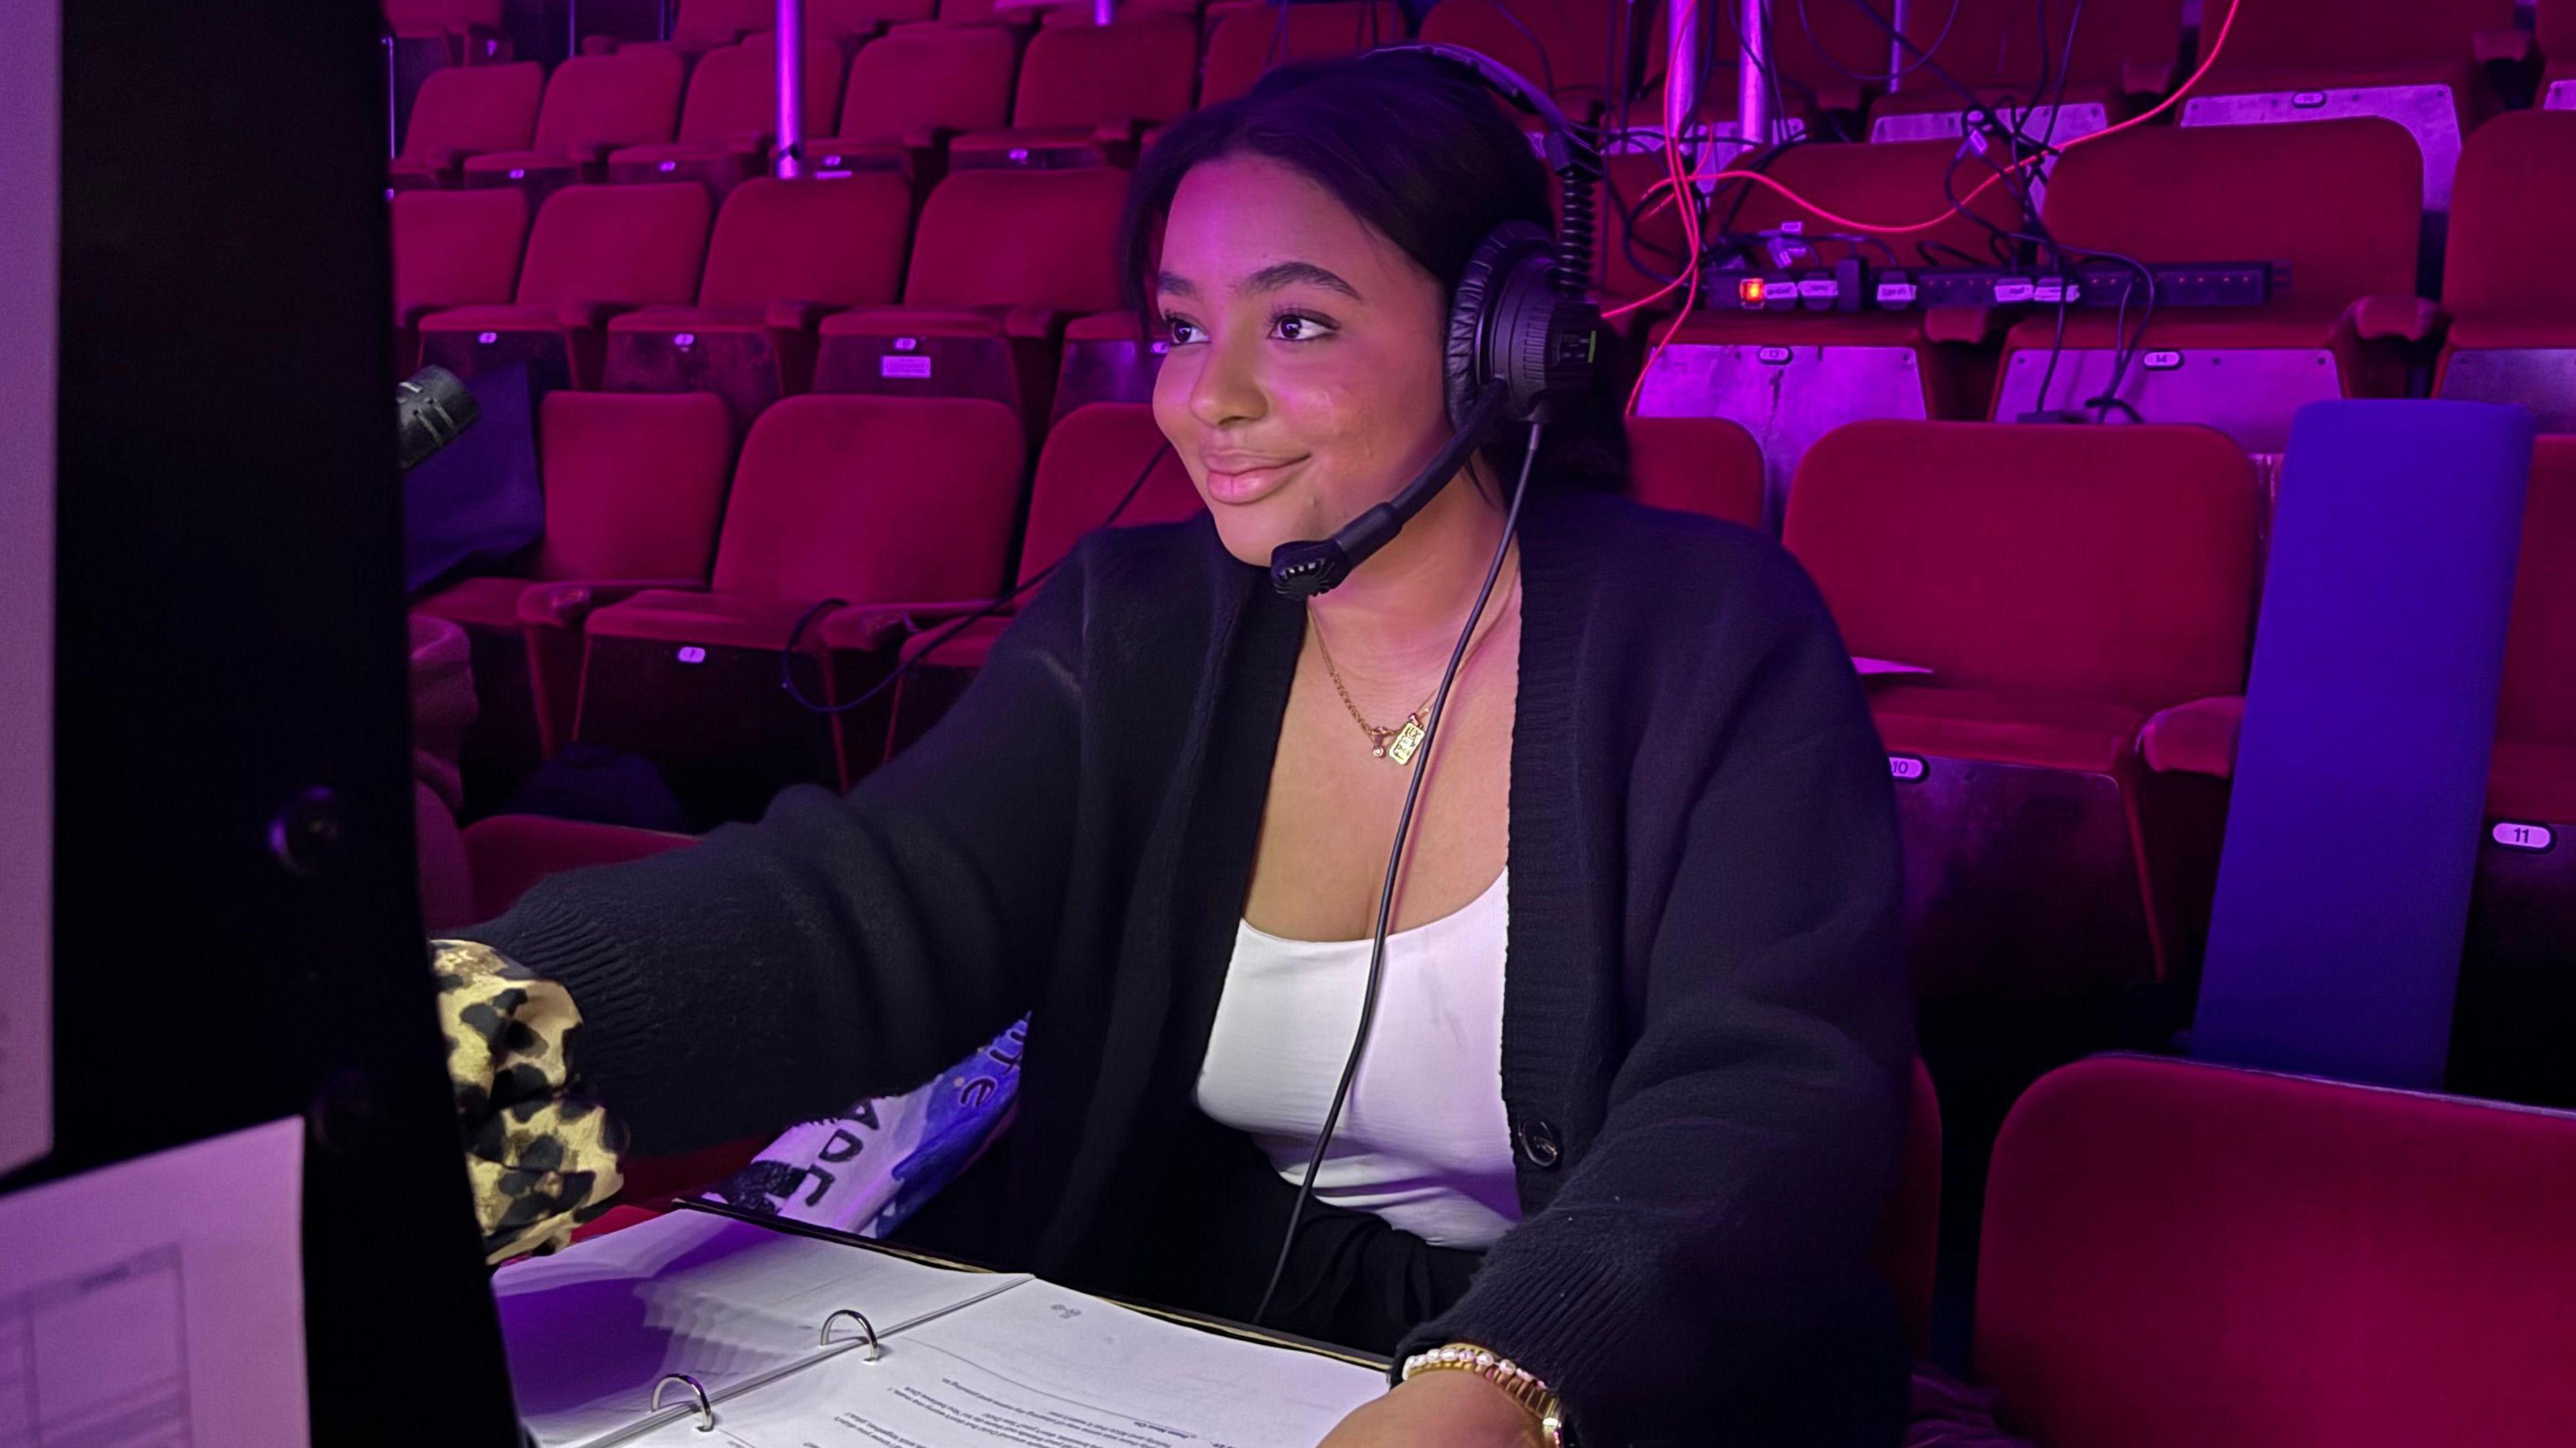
(1520, 1383)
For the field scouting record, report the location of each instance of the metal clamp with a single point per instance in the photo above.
(867, 1330)
(706, 1410)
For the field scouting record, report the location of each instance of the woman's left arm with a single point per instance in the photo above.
(1725, 1210)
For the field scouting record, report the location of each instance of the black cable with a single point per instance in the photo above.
(1394, 864)
(1806, 22)
(947, 631)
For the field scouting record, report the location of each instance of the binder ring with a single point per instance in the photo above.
(706, 1410)
(866, 1327)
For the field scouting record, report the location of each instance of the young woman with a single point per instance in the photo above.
(1634, 1093)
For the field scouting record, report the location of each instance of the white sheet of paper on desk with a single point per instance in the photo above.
(591, 1330)
(160, 1300)
(1041, 1366)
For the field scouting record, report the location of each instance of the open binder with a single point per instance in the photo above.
(701, 1327)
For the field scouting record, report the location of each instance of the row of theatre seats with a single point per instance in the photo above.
(2084, 600)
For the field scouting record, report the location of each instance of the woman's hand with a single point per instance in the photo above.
(1439, 1410)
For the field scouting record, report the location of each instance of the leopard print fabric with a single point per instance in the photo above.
(541, 1153)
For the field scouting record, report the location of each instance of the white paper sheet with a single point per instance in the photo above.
(158, 1303)
(30, 117)
(1043, 1367)
(590, 1330)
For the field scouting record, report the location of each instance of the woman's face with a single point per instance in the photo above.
(1303, 384)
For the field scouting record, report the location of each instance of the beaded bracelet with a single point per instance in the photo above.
(1522, 1384)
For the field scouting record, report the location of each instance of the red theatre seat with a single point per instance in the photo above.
(2417, 63)
(1092, 458)
(914, 90)
(1560, 45)
(1245, 40)
(2334, 201)
(596, 251)
(2062, 584)
(466, 111)
(2506, 285)
(1704, 465)
(849, 20)
(701, 28)
(731, 119)
(785, 255)
(634, 486)
(2120, 56)
(1001, 261)
(452, 249)
(593, 105)
(864, 500)
(2178, 1253)
(1792, 376)
(1088, 92)
(2554, 25)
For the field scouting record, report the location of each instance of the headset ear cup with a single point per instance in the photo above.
(1476, 308)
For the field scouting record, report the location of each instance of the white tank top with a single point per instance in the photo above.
(1423, 1142)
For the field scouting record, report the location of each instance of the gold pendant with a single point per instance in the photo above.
(1407, 740)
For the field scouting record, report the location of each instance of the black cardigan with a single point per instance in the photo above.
(1707, 1025)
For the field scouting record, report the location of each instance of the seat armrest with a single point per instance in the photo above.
(443, 159)
(1967, 325)
(1840, 93)
(2506, 46)
(869, 627)
(411, 316)
(928, 138)
(2388, 317)
(789, 316)
(2146, 77)
(590, 315)
(2194, 738)
(567, 605)
(1118, 131)
(1044, 324)
(590, 155)
(600, 44)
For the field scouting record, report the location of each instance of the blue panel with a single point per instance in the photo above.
(2343, 892)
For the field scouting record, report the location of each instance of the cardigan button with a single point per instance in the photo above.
(1538, 1144)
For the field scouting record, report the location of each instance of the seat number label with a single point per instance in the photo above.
(692, 654)
(2513, 836)
(915, 367)
(1905, 766)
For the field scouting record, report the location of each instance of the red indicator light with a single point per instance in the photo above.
(1749, 291)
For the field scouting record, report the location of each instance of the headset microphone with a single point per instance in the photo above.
(1302, 570)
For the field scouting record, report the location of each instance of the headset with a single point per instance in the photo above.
(1523, 332)
(1523, 336)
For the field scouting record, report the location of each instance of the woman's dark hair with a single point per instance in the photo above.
(1421, 154)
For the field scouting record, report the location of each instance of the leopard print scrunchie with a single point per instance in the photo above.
(541, 1153)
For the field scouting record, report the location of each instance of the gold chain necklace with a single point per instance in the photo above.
(1397, 744)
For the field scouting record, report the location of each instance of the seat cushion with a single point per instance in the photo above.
(2535, 325)
(916, 322)
(658, 321)
(734, 620)
(2535, 782)
(2044, 731)
(484, 603)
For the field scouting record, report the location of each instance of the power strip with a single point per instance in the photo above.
(1850, 286)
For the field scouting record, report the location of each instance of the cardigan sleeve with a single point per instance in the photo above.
(1725, 1210)
(843, 947)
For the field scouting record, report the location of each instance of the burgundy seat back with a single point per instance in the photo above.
(1705, 465)
(2538, 704)
(2106, 563)
(2324, 35)
(2000, 42)
(509, 853)
(2340, 201)
(873, 500)
(723, 21)
(1008, 237)
(1094, 454)
(634, 245)
(454, 248)
(469, 108)
(958, 78)
(635, 483)
(839, 242)
(734, 91)
(1081, 75)
(1249, 39)
(2512, 211)
(631, 98)
(1559, 45)
(2188, 1254)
